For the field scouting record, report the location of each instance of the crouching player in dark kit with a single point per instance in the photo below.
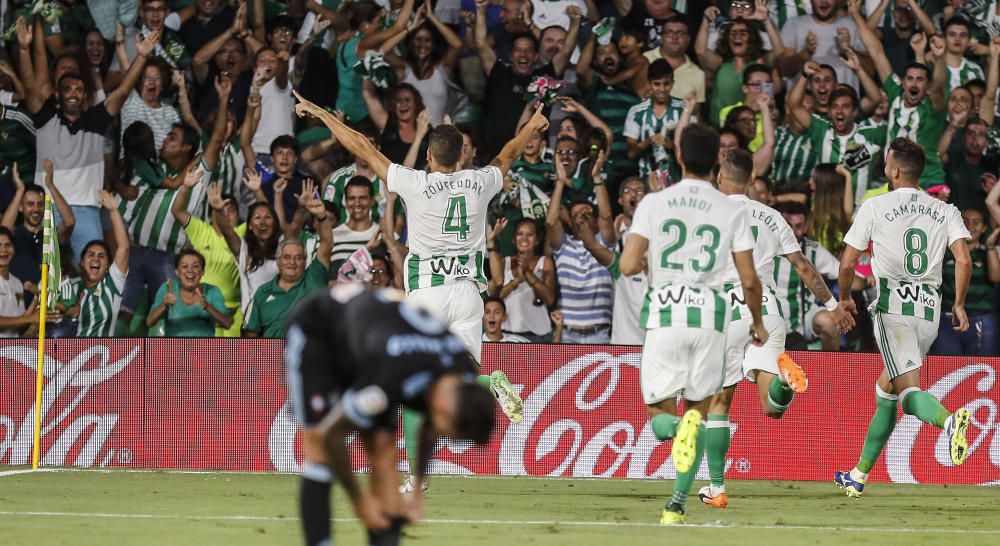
(353, 357)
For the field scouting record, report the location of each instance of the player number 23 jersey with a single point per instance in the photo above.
(909, 231)
(446, 219)
(692, 230)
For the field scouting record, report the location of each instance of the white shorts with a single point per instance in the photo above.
(903, 341)
(676, 359)
(808, 331)
(744, 358)
(459, 305)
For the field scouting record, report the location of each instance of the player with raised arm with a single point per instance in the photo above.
(353, 356)
(689, 231)
(909, 232)
(778, 377)
(446, 212)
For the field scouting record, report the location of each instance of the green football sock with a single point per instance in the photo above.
(411, 435)
(717, 445)
(779, 395)
(879, 430)
(684, 481)
(664, 426)
(483, 380)
(924, 406)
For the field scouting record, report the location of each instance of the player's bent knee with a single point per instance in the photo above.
(823, 322)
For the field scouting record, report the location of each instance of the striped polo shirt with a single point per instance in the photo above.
(585, 286)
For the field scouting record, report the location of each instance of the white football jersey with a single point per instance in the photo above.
(446, 220)
(692, 230)
(910, 232)
(773, 237)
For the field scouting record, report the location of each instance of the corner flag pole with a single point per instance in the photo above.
(43, 292)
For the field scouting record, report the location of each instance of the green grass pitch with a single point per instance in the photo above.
(150, 507)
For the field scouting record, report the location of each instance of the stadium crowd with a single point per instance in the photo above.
(190, 200)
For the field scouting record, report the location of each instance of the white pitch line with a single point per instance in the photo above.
(27, 471)
(513, 522)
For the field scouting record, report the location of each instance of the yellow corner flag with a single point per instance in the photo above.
(51, 271)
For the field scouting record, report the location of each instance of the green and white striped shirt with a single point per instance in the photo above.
(229, 172)
(783, 10)
(99, 305)
(855, 150)
(150, 223)
(682, 306)
(964, 73)
(335, 191)
(641, 123)
(789, 289)
(921, 124)
(437, 270)
(909, 233)
(794, 156)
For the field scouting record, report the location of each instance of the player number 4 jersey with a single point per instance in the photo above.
(446, 219)
(910, 232)
(692, 230)
(773, 238)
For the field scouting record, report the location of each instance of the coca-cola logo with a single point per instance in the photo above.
(66, 387)
(969, 386)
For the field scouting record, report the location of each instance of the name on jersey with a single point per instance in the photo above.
(449, 266)
(690, 202)
(914, 293)
(679, 295)
(441, 185)
(914, 208)
(766, 219)
(402, 344)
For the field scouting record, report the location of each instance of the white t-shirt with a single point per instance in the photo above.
(553, 12)
(446, 219)
(11, 301)
(794, 33)
(276, 115)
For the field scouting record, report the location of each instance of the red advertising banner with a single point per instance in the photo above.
(222, 404)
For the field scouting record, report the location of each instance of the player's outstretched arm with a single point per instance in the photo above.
(752, 292)
(355, 142)
(513, 149)
(963, 273)
(815, 283)
(847, 262)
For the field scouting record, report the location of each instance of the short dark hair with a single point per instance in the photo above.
(673, 20)
(363, 11)
(621, 185)
(475, 414)
(96, 242)
(919, 66)
(285, 141)
(699, 149)
(189, 137)
(282, 21)
(360, 182)
(957, 20)
(525, 36)
(738, 165)
(976, 120)
(635, 31)
(34, 188)
(830, 68)
(975, 83)
(909, 157)
(188, 252)
(753, 69)
(68, 76)
(4, 230)
(494, 299)
(659, 69)
(445, 145)
(844, 91)
(793, 208)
